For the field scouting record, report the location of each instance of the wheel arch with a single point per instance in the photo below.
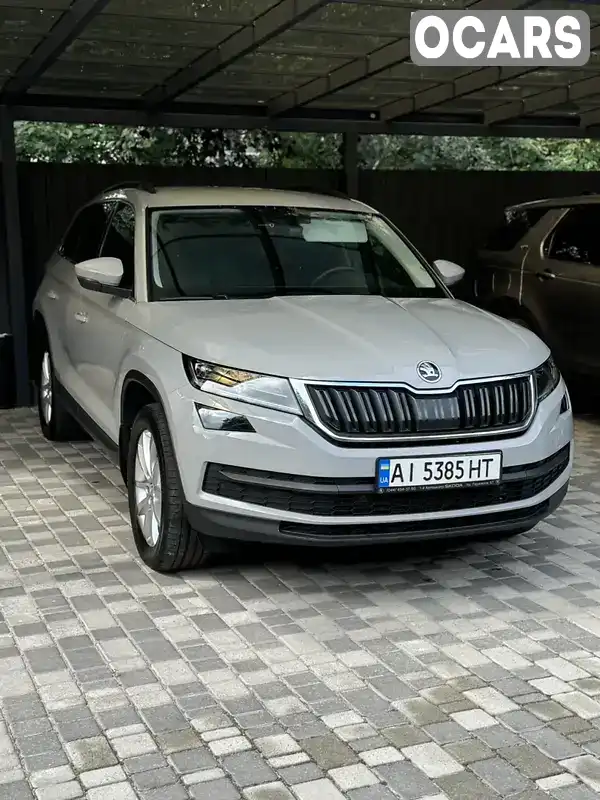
(137, 391)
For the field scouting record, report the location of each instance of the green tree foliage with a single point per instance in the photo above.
(107, 144)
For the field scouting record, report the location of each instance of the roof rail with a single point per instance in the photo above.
(312, 190)
(143, 185)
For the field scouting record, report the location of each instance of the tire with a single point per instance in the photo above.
(55, 421)
(163, 536)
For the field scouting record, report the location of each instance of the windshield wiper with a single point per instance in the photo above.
(201, 297)
(248, 296)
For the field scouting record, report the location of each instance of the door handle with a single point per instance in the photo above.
(546, 275)
(81, 317)
(52, 295)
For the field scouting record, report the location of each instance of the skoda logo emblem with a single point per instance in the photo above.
(428, 371)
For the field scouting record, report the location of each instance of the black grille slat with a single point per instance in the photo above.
(400, 405)
(326, 410)
(389, 411)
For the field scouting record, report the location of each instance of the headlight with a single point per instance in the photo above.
(237, 384)
(547, 378)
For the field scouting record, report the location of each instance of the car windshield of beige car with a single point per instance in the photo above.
(229, 253)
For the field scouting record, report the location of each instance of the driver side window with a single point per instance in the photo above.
(84, 237)
(120, 242)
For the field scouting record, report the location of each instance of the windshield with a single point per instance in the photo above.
(227, 253)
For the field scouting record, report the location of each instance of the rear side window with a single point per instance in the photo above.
(86, 234)
(575, 238)
(517, 223)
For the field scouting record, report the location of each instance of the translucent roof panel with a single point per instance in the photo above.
(181, 33)
(42, 5)
(264, 86)
(9, 65)
(237, 12)
(29, 22)
(387, 90)
(362, 19)
(169, 56)
(105, 79)
(89, 89)
(314, 41)
(74, 70)
(239, 95)
(267, 61)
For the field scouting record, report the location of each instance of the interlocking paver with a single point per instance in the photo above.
(458, 671)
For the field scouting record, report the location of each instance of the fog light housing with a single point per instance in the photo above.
(214, 419)
(565, 405)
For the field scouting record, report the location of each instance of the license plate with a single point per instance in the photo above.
(396, 474)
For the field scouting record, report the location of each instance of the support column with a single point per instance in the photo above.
(13, 258)
(350, 163)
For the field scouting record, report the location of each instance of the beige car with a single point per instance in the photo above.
(541, 268)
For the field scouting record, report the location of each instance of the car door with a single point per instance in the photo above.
(501, 273)
(568, 286)
(101, 324)
(61, 290)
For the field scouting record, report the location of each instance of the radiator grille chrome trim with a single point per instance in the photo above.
(385, 412)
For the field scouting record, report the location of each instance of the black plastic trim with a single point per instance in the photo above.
(83, 418)
(103, 288)
(221, 525)
(356, 497)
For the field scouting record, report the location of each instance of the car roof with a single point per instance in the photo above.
(557, 202)
(177, 197)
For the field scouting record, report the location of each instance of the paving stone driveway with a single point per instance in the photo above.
(466, 673)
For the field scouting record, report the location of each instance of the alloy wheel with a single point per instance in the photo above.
(148, 487)
(46, 388)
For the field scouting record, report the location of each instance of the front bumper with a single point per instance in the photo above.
(285, 447)
(223, 525)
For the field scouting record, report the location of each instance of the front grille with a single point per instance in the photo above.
(358, 497)
(395, 411)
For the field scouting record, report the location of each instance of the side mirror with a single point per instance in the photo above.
(450, 272)
(102, 275)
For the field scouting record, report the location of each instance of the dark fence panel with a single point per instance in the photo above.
(51, 193)
(446, 213)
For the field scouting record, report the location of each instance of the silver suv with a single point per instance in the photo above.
(285, 367)
(541, 268)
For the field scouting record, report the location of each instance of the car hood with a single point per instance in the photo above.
(347, 338)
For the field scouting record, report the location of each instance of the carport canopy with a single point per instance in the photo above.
(322, 65)
(304, 65)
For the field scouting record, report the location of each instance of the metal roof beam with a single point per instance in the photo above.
(589, 118)
(467, 84)
(443, 92)
(543, 101)
(366, 67)
(550, 98)
(68, 27)
(196, 117)
(272, 23)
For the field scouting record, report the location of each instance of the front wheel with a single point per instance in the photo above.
(163, 536)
